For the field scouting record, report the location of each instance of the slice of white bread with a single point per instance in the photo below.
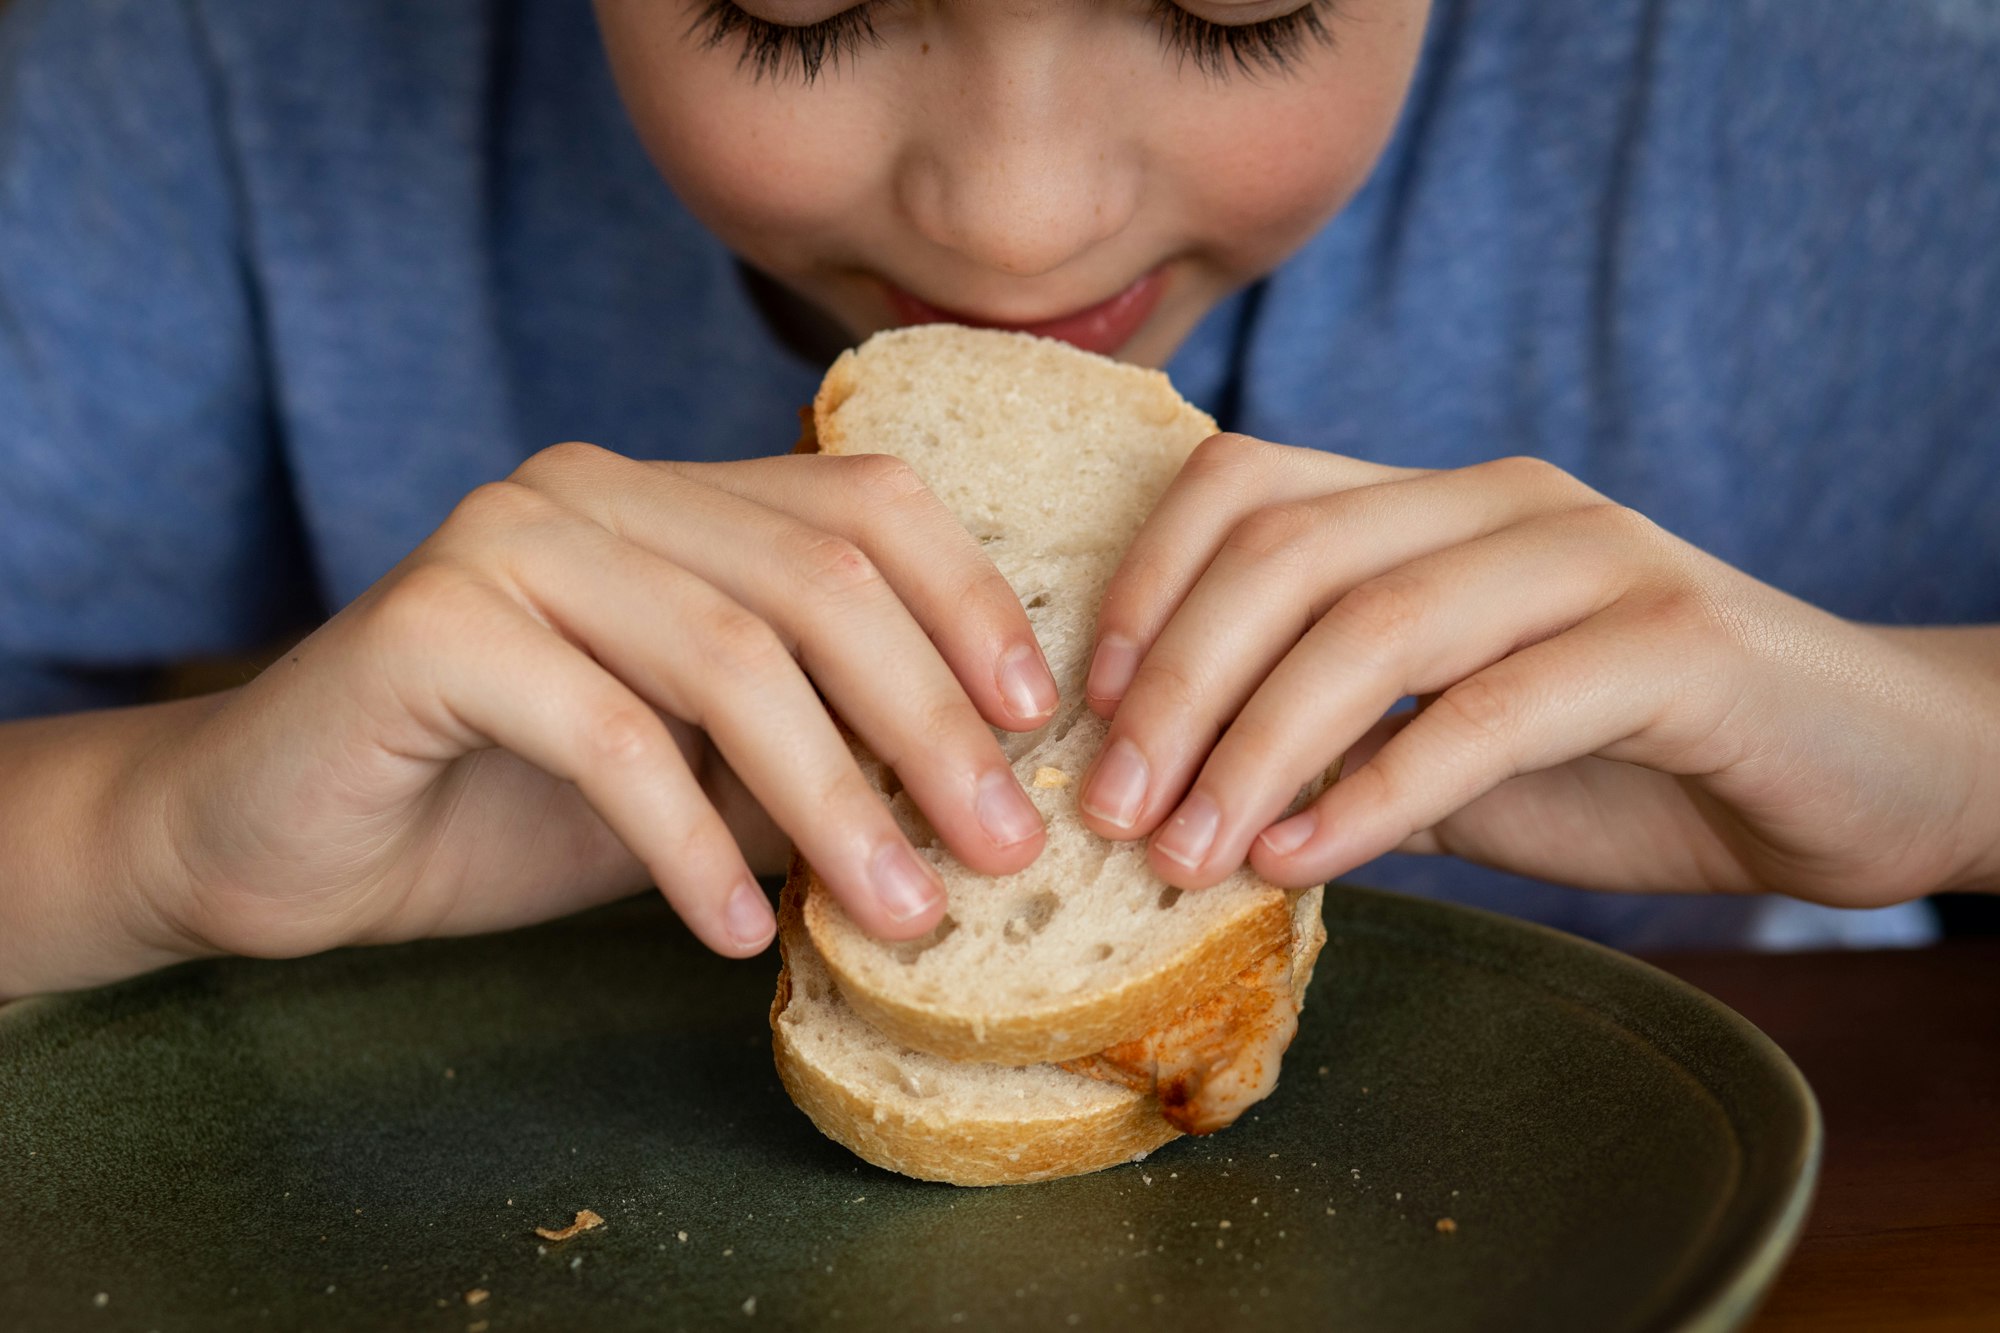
(970, 1122)
(1052, 457)
(967, 1123)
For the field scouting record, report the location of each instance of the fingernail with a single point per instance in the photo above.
(1004, 810)
(1118, 788)
(1191, 832)
(1290, 835)
(904, 885)
(748, 917)
(1025, 683)
(1112, 667)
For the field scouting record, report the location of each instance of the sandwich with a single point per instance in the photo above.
(1082, 1012)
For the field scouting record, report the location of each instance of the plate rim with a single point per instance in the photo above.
(1731, 1299)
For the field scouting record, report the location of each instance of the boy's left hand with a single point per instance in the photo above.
(1603, 704)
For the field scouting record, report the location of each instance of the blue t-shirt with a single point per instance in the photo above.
(279, 283)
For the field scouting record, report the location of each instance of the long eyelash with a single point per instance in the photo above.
(776, 49)
(1269, 46)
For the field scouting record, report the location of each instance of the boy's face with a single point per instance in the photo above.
(1100, 170)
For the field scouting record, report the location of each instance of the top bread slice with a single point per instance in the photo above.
(1052, 457)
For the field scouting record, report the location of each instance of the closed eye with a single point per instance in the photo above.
(1269, 45)
(774, 50)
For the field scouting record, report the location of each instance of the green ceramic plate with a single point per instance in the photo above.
(358, 1141)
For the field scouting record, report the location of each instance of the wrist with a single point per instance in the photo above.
(1964, 663)
(145, 819)
(77, 908)
(1981, 816)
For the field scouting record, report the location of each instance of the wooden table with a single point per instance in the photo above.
(1903, 1050)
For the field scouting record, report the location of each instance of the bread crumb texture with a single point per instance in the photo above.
(1052, 457)
(939, 1119)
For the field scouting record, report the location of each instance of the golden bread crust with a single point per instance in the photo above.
(1056, 1030)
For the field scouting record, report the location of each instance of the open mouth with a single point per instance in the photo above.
(1103, 328)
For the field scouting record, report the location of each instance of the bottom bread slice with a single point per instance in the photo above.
(963, 1122)
(975, 1123)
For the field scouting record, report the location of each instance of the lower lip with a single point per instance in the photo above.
(1103, 328)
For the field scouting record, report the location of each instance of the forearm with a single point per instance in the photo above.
(1965, 659)
(80, 853)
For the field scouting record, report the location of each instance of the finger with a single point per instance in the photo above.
(529, 691)
(1594, 823)
(1577, 694)
(1277, 573)
(1227, 477)
(1372, 740)
(766, 847)
(832, 606)
(1419, 628)
(936, 568)
(697, 654)
(1353, 520)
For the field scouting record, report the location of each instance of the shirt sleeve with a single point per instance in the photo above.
(144, 512)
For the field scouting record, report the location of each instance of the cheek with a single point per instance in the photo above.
(1258, 169)
(1250, 201)
(764, 168)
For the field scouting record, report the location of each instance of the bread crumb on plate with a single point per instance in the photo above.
(586, 1220)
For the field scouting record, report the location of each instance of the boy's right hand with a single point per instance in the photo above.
(531, 715)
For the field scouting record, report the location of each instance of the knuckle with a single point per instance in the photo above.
(1480, 710)
(1167, 686)
(945, 718)
(1275, 531)
(830, 565)
(928, 732)
(1259, 736)
(1531, 473)
(1384, 612)
(560, 460)
(739, 644)
(988, 598)
(884, 479)
(1228, 456)
(846, 791)
(1148, 573)
(624, 735)
(690, 847)
(1688, 617)
(431, 604)
(1549, 485)
(1618, 523)
(497, 506)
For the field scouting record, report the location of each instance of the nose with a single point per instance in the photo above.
(1021, 168)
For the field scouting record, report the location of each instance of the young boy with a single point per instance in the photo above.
(1634, 415)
